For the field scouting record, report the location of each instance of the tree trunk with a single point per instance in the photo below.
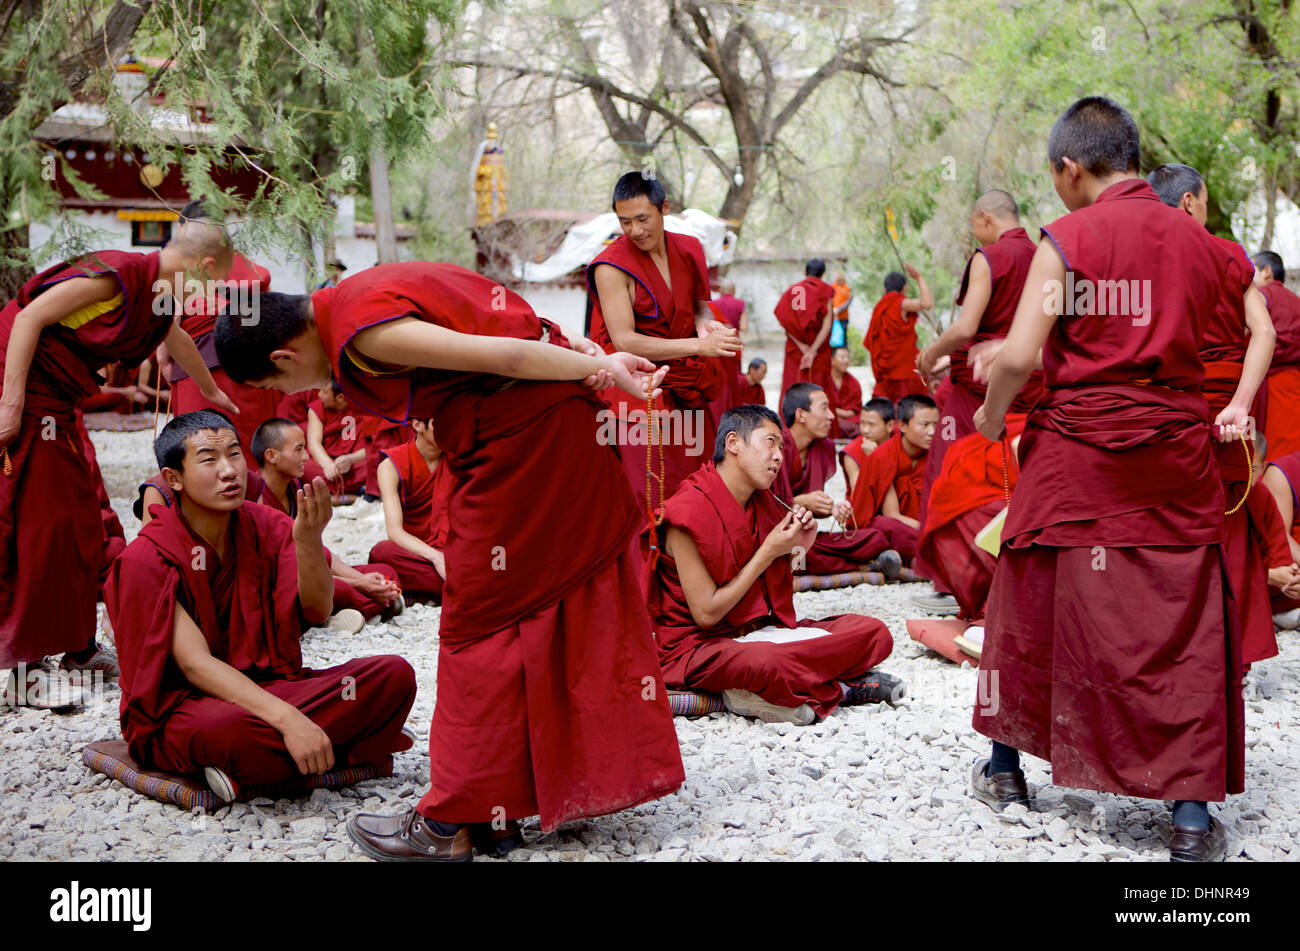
(1270, 210)
(12, 278)
(381, 200)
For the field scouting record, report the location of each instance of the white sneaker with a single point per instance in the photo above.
(349, 621)
(41, 686)
(1287, 620)
(220, 783)
(743, 703)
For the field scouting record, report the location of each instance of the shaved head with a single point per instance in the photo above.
(197, 239)
(998, 204)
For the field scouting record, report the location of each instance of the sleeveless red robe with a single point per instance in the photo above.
(426, 501)
(848, 395)
(890, 465)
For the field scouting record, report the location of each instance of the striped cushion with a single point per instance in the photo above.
(191, 792)
(694, 703)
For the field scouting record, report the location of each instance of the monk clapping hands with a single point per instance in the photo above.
(719, 339)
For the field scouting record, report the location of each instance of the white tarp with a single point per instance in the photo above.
(586, 240)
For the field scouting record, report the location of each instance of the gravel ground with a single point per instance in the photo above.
(867, 783)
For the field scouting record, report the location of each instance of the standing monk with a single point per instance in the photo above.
(845, 395)
(550, 698)
(804, 312)
(990, 290)
(840, 304)
(891, 337)
(1236, 351)
(651, 298)
(1119, 507)
(729, 309)
(64, 325)
(1280, 427)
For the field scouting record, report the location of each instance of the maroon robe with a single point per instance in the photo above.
(1120, 509)
(747, 392)
(848, 395)
(890, 465)
(51, 531)
(426, 514)
(692, 382)
(343, 432)
(1280, 427)
(802, 308)
(787, 675)
(891, 341)
(550, 698)
(247, 608)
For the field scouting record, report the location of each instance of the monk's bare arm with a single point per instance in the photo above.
(151, 497)
(315, 583)
(851, 470)
(1021, 353)
(978, 291)
(708, 602)
(914, 305)
(890, 509)
(390, 493)
(316, 445)
(182, 349)
(823, 334)
(1254, 367)
(307, 743)
(1277, 484)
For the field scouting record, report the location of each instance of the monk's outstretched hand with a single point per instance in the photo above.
(635, 375)
(989, 427)
(718, 339)
(314, 511)
(222, 401)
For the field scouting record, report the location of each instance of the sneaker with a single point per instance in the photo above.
(743, 703)
(349, 621)
(971, 641)
(999, 790)
(943, 605)
(889, 563)
(409, 733)
(104, 659)
(220, 783)
(1287, 620)
(875, 686)
(1189, 844)
(41, 686)
(397, 606)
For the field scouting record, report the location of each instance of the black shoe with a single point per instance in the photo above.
(875, 686)
(1190, 844)
(999, 790)
(493, 842)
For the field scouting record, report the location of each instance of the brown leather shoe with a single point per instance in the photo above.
(407, 837)
(493, 842)
(999, 790)
(1190, 844)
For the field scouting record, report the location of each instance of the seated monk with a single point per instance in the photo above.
(887, 495)
(336, 441)
(208, 604)
(845, 394)
(877, 425)
(722, 593)
(120, 393)
(749, 386)
(808, 462)
(1280, 477)
(969, 492)
(415, 487)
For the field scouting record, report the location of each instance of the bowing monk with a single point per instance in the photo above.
(1236, 352)
(807, 464)
(1283, 410)
(990, 290)
(722, 594)
(877, 425)
(336, 442)
(650, 291)
(550, 698)
(887, 493)
(63, 326)
(891, 337)
(1119, 508)
(416, 488)
(804, 312)
(749, 388)
(208, 605)
(845, 395)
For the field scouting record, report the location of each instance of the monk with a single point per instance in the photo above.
(550, 698)
(63, 326)
(845, 395)
(749, 388)
(887, 493)
(650, 291)
(1236, 352)
(241, 285)
(804, 312)
(1280, 478)
(730, 309)
(723, 595)
(208, 604)
(416, 487)
(990, 290)
(877, 425)
(807, 464)
(120, 393)
(336, 442)
(1280, 427)
(1119, 507)
(891, 337)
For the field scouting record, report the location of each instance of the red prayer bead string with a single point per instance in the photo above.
(8, 464)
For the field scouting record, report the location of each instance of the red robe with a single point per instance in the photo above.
(837, 550)
(51, 532)
(256, 406)
(344, 432)
(294, 406)
(848, 395)
(426, 514)
(1289, 466)
(1280, 427)
(550, 698)
(1120, 509)
(788, 675)
(747, 392)
(731, 366)
(800, 311)
(247, 608)
(969, 492)
(890, 465)
(116, 375)
(692, 382)
(112, 536)
(855, 452)
(891, 341)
